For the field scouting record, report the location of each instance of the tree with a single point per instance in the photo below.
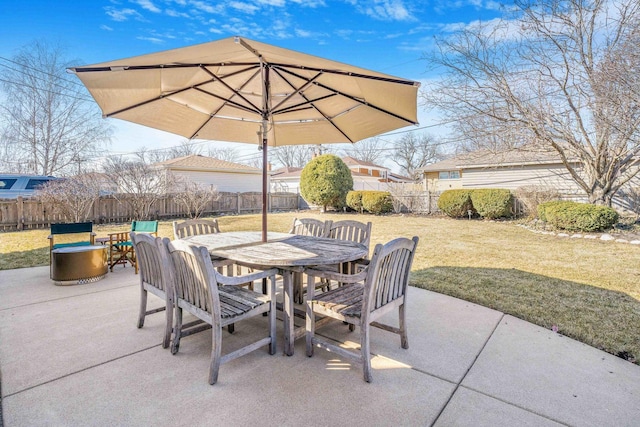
(50, 122)
(414, 151)
(369, 150)
(227, 154)
(325, 181)
(195, 197)
(562, 74)
(139, 185)
(71, 198)
(292, 156)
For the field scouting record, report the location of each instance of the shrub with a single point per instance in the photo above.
(492, 203)
(455, 203)
(532, 195)
(574, 216)
(325, 181)
(354, 200)
(377, 202)
(543, 207)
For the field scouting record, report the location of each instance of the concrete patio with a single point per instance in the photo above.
(73, 356)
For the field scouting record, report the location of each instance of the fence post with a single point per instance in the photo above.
(20, 217)
(238, 198)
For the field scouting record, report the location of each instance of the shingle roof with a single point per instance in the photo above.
(197, 161)
(350, 161)
(486, 158)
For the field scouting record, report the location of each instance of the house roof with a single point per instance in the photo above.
(350, 161)
(199, 162)
(286, 171)
(485, 158)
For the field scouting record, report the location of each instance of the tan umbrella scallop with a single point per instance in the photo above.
(242, 90)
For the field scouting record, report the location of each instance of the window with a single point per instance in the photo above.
(6, 184)
(35, 183)
(449, 175)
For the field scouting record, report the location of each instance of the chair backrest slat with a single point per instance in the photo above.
(194, 277)
(194, 227)
(152, 265)
(310, 227)
(388, 274)
(353, 231)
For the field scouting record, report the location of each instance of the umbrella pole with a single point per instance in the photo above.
(264, 187)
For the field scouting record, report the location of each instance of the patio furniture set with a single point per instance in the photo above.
(186, 273)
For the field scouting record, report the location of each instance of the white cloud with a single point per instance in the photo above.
(309, 3)
(106, 28)
(122, 14)
(384, 10)
(277, 3)
(175, 14)
(244, 7)
(147, 5)
(155, 40)
(205, 7)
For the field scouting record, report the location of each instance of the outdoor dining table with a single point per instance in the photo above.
(289, 253)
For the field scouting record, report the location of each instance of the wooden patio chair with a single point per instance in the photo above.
(194, 227)
(121, 249)
(352, 231)
(365, 296)
(306, 227)
(152, 260)
(197, 290)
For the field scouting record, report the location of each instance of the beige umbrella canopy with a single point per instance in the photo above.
(241, 90)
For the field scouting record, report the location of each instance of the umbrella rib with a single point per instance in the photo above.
(236, 92)
(348, 73)
(277, 70)
(353, 98)
(148, 101)
(296, 90)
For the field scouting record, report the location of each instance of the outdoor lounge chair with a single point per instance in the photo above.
(196, 289)
(364, 297)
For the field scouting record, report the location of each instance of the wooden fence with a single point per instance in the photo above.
(27, 213)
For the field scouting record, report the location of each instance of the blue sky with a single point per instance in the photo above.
(390, 36)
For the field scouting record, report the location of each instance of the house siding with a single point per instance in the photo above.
(514, 177)
(224, 181)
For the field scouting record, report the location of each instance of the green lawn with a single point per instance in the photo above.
(588, 289)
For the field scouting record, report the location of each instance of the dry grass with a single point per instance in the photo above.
(588, 289)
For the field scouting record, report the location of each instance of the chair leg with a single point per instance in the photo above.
(143, 307)
(310, 321)
(216, 351)
(272, 316)
(177, 330)
(169, 323)
(364, 349)
(404, 340)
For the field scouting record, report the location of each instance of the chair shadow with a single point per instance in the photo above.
(601, 318)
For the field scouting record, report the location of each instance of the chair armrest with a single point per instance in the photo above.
(340, 277)
(243, 280)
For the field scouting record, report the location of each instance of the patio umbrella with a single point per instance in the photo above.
(242, 90)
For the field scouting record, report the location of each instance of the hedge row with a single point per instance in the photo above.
(488, 203)
(573, 216)
(375, 202)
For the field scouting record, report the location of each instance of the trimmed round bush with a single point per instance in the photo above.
(573, 216)
(325, 181)
(354, 200)
(377, 202)
(492, 203)
(455, 203)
